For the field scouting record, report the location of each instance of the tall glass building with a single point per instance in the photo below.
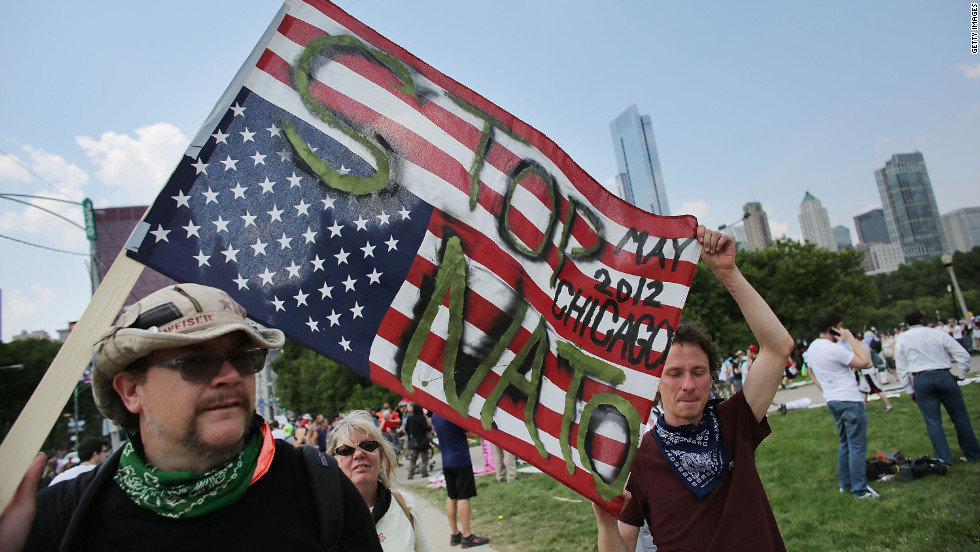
(640, 181)
(910, 207)
(816, 224)
(871, 227)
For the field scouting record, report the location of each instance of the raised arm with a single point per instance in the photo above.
(775, 343)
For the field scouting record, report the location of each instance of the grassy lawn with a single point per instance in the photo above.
(798, 464)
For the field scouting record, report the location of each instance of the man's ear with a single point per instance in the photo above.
(126, 383)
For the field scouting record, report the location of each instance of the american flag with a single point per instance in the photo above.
(393, 220)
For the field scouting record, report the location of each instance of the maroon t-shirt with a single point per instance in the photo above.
(735, 516)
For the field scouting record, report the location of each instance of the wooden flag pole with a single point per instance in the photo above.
(43, 410)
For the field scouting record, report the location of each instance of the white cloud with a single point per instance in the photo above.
(698, 208)
(883, 141)
(18, 306)
(778, 229)
(137, 168)
(610, 184)
(969, 71)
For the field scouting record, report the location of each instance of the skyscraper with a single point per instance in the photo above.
(962, 228)
(815, 223)
(871, 227)
(842, 236)
(910, 207)
(756, 226)
(640, 181)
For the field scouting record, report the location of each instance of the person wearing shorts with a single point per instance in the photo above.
(457, 466)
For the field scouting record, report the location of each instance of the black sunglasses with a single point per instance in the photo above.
(366, 446)
(197, 368)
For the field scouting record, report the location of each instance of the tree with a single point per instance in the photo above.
(18, 384)
(799, 281)
(308, 382)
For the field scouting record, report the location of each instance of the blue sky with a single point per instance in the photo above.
(755, 101)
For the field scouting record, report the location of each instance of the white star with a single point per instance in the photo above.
(312, 324)
(309, 235)
(360, 223)
(293, 269)
(357, 310)
(229, 163)
(267, 186)
(375, 276)
(392, 244)
(273, 130)
(301, 298)
(249, 219)
(267, 276)
(181, 198)
(242, 282)
(342, 257)
(191, 229)
(283, 155)
(258, 158)
(161, 234)
(202, 259)
(312, 149)
(335, 229)
(219, 137)
(280, 304)
(212, 196)
(343, 170)
(284, 242)
(344, 343)
(368, 250)
(258, 247)
(220, 225)
(294, 180)
(231, 254)
(275, 213)
(239, 110)
(325, 291)
(383, 218)
(327, 203)
(317, 263)
(302, 208)
(238, 191)
(200, 167)
(349, 283)
(404, 213)
(334, 318)
(247, 136)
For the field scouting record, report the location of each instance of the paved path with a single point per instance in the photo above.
(434, 515)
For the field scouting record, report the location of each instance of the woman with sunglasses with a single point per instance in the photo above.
(369, 460)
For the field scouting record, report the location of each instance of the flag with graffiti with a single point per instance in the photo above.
(391, 219)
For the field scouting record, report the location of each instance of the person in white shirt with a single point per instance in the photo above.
(832, 369)
(93, 451)
(922, 356)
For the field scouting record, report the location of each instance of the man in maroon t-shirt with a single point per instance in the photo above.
(694, 479)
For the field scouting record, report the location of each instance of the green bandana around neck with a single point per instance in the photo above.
(186, 494)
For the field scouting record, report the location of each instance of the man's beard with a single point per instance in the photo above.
(191, 438)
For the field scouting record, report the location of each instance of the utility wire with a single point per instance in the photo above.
(44, 246)
(48, 211)
(28, 169)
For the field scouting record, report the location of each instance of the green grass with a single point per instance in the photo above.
(798, 465)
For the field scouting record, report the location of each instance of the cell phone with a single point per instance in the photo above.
(834, 332)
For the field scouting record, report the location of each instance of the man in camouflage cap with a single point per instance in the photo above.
(201, 469)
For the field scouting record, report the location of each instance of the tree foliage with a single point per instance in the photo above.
(18, 385)
(309, 383)
(799, 281)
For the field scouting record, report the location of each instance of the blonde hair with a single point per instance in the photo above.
(360, 422)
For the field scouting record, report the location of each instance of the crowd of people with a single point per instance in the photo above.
(177, 373)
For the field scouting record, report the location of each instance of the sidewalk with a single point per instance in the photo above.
(434, 515)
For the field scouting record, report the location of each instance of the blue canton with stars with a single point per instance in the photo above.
(319, 264)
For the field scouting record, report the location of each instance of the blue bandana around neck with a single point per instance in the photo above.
(695, 453)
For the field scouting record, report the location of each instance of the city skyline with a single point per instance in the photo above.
(743, 110)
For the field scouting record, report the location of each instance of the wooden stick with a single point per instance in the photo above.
(44, 408)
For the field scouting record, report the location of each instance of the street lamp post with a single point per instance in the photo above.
(948, 263)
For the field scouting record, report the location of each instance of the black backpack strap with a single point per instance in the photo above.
(324, 476)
